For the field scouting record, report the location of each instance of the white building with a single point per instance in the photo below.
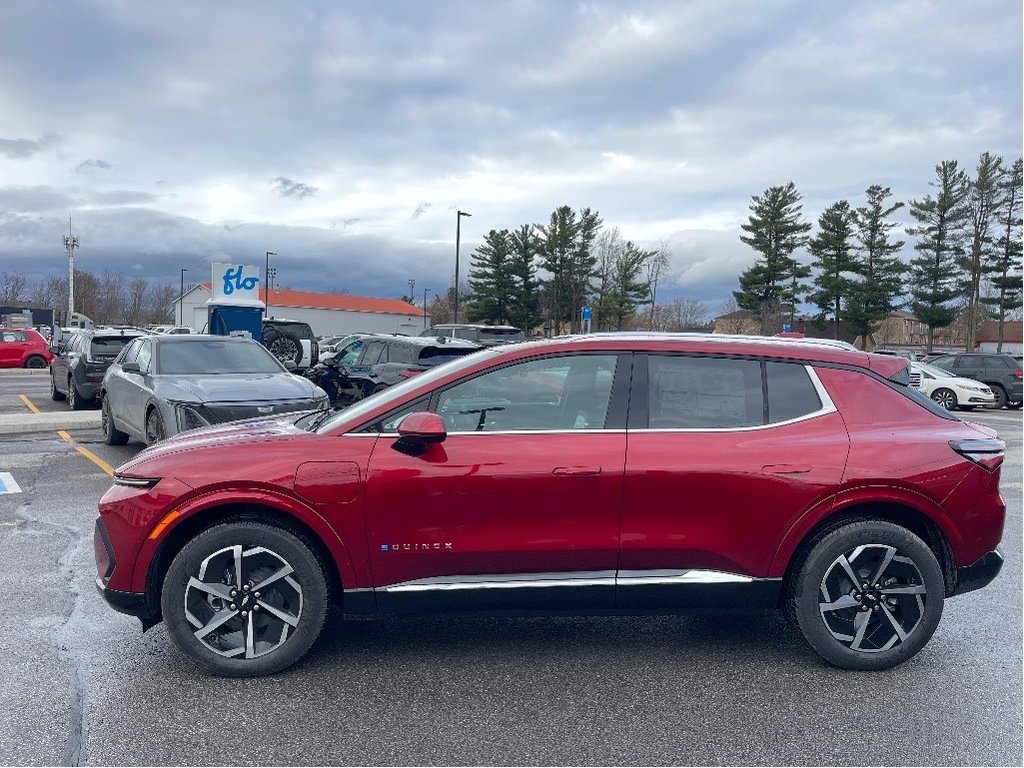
(327, 313)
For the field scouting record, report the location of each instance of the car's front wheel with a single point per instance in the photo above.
(155, 429)
(245, 598)
(868, 596)
(1000, 393)
(946, 398)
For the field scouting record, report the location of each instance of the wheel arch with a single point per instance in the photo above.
(902, 514)
(309, 529)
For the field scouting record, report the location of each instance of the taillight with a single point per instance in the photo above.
(1018, 374)
(985, 452)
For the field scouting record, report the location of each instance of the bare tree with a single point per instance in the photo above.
(160, 308)
(656, 266)
(135, 310)
(111, 299)
(12, 288)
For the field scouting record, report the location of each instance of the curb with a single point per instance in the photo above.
(19, 423)
(23, 371)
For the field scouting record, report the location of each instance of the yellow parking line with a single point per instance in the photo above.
(86, 452)
(28, 404)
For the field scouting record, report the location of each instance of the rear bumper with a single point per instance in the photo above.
(979, 574)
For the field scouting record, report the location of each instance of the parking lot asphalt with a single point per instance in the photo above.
(83, 686)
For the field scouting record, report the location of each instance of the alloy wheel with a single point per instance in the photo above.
(872, 598)
(244, 602)
(945, 398)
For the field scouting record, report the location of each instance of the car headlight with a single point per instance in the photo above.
(188, 417)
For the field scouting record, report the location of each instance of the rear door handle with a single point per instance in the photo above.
(576, 471)
(785, 469)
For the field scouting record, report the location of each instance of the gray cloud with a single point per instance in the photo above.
(22, 149)
(288, 188)
(90, 165)
(420, 210)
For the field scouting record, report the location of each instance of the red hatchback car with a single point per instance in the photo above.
(23, 348)
(630, 474)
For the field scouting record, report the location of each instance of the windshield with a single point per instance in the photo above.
(215, 356)
(399, 391)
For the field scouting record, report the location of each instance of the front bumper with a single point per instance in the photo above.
(979, 574)
(132, 603)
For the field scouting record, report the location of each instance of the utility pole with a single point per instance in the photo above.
(70, 245)
(266, 285)
(412, 291)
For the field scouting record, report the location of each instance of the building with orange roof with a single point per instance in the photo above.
(329, 314)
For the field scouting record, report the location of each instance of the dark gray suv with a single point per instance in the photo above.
(80, 361)
(1002, 373)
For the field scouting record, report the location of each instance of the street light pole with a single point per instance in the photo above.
(458, 233)
(181, 299)
(425, 292)
(266, 285)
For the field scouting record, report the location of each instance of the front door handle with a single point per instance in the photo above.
(576, 471)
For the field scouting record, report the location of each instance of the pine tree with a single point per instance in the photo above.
(832, 250)
(880, 270)
(1002, 262)
(567, 255)
(776, 230)
(986, 190)
(935, 272)
(490, 279)
(524, 304)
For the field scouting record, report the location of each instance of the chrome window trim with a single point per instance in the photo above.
(572, 579)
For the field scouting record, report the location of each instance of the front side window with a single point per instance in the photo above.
(145, 355)
(569, 392)
(131, 352)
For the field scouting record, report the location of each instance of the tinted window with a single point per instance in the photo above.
(791, 394)
(501, 334)
(108, 346)
(704, 393)
(351, 353)
(563, 393)
(214, 356)
(399, 353)
(372, 354)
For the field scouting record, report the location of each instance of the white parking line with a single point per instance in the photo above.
(8, 484)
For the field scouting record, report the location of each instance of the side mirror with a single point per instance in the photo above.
(130, 368)
(418, 430)
(55, 347)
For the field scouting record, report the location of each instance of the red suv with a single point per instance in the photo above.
(631, 474)
(23, 348)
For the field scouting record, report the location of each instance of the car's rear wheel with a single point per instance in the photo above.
(868, 596)
(74, 399)
(55, 394)
(945, 397)
(111, 434)
(155, 430)
(245, 598)
(35, 361)
(379, 388)
(1000, 393)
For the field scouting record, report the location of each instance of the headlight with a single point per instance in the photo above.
(136, 482)
(188, 417)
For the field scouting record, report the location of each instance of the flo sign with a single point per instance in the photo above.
(235, 282)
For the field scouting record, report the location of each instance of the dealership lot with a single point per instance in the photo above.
(85, 686)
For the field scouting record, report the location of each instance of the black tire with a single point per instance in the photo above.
(74, 399)
(35, 361)
(1013, 405)
(55, 394)
(155, 430)
(283, 345)
(379, 388)
(111, 434)
(885, 557)
(945, 397)
(1000, 393)
(197, 590)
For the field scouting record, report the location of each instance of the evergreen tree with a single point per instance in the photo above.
(832, 250)
(490, 279)
(880, 270)
(567, 255)
(1002, 262)
(986, 191)
(524, 303)
(940, 244)
(776, 229)
(628, 289)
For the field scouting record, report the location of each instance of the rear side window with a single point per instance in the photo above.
(791, 394)
(704, 393)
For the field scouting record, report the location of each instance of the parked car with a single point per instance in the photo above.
(629, 474)
(23, 348)
(163, 384)
(328, 344)
(906, 353)
(948, 390)
(484, 335)
(292, 342)
(1000, 372)
(369, 363)
(82, 359)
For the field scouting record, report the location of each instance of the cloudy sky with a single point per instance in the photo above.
(345, 135)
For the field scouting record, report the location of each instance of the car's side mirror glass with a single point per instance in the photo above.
(130, 368)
